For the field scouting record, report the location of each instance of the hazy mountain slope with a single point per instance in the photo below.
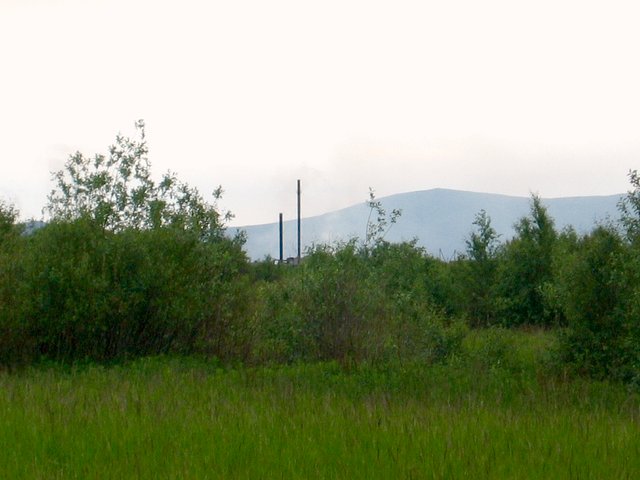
(440, 219)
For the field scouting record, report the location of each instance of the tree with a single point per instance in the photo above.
(630, 207)
(596, 281)
(482, 248)
(526, 268)
(482, 245)
(8, 218)
(117, 192)
(13, 337)
(128, 267)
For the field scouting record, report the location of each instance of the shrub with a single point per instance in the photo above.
(479, 274)
(353, 304)
(596, 288)
(126, 267)
(524, 270)
(87, 293)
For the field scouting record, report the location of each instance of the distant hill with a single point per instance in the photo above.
(440, 219)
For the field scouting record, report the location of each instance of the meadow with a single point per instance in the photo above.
(496, 410)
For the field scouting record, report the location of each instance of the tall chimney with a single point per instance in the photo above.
(281, 240)
(298, 221)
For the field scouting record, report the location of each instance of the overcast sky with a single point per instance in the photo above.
(492, 96)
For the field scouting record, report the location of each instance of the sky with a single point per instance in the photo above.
(508, 97)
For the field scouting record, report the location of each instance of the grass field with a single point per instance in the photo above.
(495, 411)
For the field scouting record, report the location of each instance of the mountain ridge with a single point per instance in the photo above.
(439, 218)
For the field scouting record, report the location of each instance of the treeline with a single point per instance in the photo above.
(385, 301)
(129, 267)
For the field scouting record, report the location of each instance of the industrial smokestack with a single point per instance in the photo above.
(281, 240)
(298, 221)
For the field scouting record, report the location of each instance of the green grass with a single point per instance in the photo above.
(493, 412)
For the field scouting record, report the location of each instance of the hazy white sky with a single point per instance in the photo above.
(493, 96)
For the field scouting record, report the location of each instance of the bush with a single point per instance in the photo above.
(126, 267)
(353, 304)
(596, 288)
(525, 269)
(14, 341)
(339, 307)
(86, 293)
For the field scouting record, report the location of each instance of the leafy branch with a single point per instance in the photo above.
(117, 192)
(378, 228)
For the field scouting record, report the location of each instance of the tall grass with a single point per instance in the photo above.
(187, 418)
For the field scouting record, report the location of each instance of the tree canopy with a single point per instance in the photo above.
(117, 192)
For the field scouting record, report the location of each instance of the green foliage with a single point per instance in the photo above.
(13, 339)
(525, 269)
(417, 321)
(87, 293)
(517, 351)
(630, 208)
(480, 276)
(266, 270)
(127, 267)
(8, 215)
(8, 218)
(118, 192)
(595, 286)
(377, 229)
(482, 245)
(324, 309)
(354, 304)
(443, 281)
(339, 309)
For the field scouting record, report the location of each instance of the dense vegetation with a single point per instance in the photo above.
(128, 267)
